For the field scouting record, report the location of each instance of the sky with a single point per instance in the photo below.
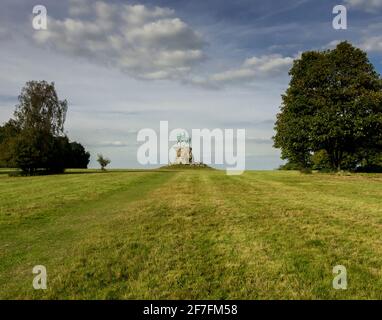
(127, 65)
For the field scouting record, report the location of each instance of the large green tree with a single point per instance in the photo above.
(333, 103)
(40, 115)
(35, 139)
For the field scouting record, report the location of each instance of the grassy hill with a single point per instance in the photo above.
(190, 234)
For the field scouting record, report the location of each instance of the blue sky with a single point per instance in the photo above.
(126, 65)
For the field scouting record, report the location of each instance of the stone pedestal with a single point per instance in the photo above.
(183, 155)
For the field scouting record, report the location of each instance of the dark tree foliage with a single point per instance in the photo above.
(8, 133)
(78, 157)
(32, 150)
(334, 104)
(35, 141)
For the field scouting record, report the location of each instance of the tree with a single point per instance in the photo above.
(8, 132)
(39, 108)
(32, 151)
(40, 115)
(35, 141)
(320, 160)
(333, 103)
(78, 157)
(103, 162)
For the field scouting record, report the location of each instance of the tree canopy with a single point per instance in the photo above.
(35, 140)
(39, 108)
(333, 104)
(103, 162)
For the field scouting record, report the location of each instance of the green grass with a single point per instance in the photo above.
(191, 234)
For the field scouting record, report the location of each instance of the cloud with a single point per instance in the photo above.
(110, 144)
(269, 64)
(5, 34)
(255, 140)
(372, 44)
(79, 7)
(366, 5)
(371, 41)
(145, 42)
(331, 45)
(252, 69)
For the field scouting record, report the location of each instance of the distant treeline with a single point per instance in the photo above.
(34, 141)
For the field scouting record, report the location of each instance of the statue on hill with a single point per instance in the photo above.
(183, 150)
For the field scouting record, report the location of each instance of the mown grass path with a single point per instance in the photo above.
(192, 234)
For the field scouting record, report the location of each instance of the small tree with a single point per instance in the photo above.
(103, 162)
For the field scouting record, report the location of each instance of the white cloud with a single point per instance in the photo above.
(148, 43)
(269, 64)
(366, 5)
(79, 7)
(111, 144)
(372, 44)
(331, 45)
(139, 15)
(252, 69)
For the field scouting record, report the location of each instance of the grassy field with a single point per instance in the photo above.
(193, 234)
